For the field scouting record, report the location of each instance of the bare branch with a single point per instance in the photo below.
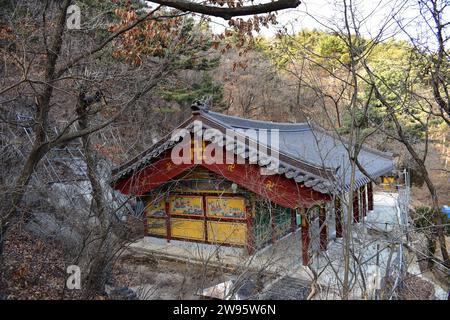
(228, 13)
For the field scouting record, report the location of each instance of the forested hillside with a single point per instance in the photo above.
(75, 103)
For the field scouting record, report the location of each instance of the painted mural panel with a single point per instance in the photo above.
(225, 207)
(227, 232)
(388, 183)
(188, 205)
(156, 226)
(188, 228)
(156, 209)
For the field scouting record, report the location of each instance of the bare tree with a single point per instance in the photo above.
(346, 83)
(59, 66)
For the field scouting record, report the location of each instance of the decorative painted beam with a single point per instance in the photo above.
(338, 217)
(279, 189)
(370, 196)
(323, 228)
(355, 206)
(306, 239)
(363, 201)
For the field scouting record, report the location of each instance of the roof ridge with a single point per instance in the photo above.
(287, 155)
(292, 166)
(365, 147)
(304, 125)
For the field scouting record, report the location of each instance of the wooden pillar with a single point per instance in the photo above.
(305, 237)
(250, 238)
(370, 196)
(364, 201)
(323, 228)
(355, 206)
(168, 228)
(205, 221)
(338, 217)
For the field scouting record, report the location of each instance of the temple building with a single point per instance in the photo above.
(220, 179)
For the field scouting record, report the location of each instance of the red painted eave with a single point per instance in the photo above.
(277, 188)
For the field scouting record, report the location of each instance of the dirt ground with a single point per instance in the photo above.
(36, 269)
(33, 268)
(156, 278)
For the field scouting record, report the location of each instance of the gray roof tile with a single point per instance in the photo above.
(315, 146)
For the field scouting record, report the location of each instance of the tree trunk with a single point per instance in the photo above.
(40, 147)
(16, 194)
(437, 217)
(100, 264)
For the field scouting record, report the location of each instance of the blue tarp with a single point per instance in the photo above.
(446, 210)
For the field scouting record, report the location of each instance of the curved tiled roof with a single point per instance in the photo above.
(307, 154)
(315, 146)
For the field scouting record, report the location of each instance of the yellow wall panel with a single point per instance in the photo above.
(156, 208)
(388, 183)
(230, 207)
(180, 204)
(188, 228)
(157, 226)
(227, 232)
